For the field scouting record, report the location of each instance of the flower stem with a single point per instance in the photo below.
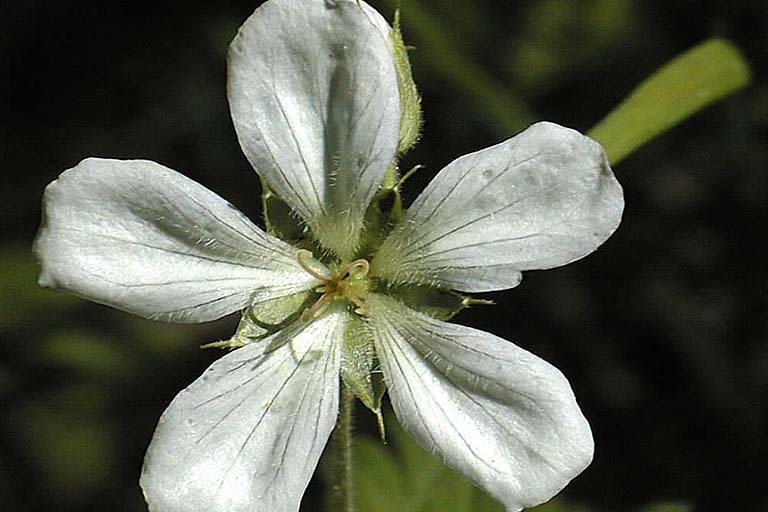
(342, 496)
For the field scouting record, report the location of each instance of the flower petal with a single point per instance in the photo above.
(491, 410)
(539, 200)
(140, 237)
(314, 99)
(249, 432)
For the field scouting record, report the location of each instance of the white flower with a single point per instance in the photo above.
(314, 98)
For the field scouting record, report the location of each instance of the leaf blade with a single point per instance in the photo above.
(688, 83)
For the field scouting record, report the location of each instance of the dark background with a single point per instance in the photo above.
(662, 332)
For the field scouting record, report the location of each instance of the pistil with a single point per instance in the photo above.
(341, 285)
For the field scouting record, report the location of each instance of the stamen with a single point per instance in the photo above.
(314, 311)
(359, 268)
(334, 287)
(301, 256)
(354, 299)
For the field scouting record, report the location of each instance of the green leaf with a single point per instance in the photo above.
(380, 482)
(685, 85)
(406, 478)
(403, 476)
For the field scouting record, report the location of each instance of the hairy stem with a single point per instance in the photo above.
(342, 496)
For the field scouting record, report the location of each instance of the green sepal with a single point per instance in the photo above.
(410, 102)
(357, 359)
(385, 211)
(358, 363)
(382, 214)
(379, 390)
(396, 212)
(435, 302)
(264, 319)
(279, 220)
(248, 331)
(275, 314)
(230, 343)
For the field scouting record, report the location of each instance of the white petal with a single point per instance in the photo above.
(491, 410)
(140, 237)
(539, 200)
(313, 95)
(246, 436)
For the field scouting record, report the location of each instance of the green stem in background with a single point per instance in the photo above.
(342, 495)
(686, 84)
(509, 113)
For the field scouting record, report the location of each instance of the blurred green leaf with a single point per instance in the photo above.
(685, 85)
(668, 507)
(404, 477)
(67, 438)
(6, 380)
(87, 354)
(22, 299)
(167, 340)
(448, 61)
(558, 506)
(381, 486)
(559, 38)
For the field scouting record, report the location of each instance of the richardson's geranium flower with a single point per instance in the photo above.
(360, 291)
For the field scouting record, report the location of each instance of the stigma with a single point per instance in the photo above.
(348, 283)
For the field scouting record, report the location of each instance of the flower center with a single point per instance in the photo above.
(348, 283)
